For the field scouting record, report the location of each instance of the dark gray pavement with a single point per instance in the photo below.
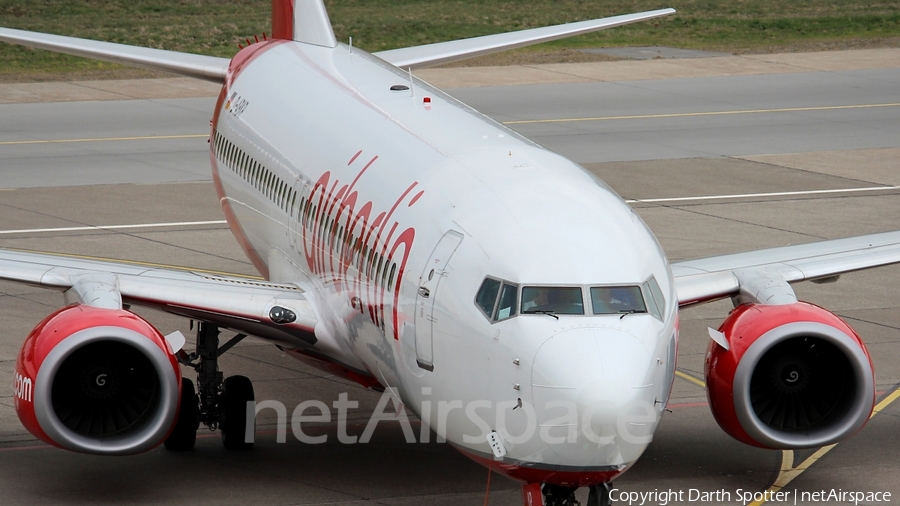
(702, 117)
(150, 141)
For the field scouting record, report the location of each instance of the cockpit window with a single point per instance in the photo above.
(486, 298)
(656, 302)
(552, 300)
(617, 299)
(507, 307)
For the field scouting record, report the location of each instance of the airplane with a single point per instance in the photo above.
(504, 295)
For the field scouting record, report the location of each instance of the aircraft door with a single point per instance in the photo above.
(429, 284)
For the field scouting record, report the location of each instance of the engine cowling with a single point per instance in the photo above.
(794, 376)
(100, 381)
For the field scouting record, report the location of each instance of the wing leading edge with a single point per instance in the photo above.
(313, 27)
(240, 304)
(711, 278)
(208, 68)
(445, 52)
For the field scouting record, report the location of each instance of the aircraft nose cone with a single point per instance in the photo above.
(593, 396)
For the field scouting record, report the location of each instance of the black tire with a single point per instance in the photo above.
(237, 391)
(599, 495)
(184, 435)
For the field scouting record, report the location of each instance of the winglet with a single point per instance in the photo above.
(302, 20)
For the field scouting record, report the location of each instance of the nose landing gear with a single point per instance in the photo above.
(555, 495)
(599, 495)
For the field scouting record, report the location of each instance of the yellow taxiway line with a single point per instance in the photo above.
(696, 114)
(788, 473)
(687, 377)
(515, 122)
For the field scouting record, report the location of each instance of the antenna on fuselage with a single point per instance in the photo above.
(412, 89)
(351, 46)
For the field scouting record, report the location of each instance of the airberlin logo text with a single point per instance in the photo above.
(356, 243)
(24, 388)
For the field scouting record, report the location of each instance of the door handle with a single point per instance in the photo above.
(424, 292)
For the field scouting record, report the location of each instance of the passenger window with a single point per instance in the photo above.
(552, 299)
(390, 286)
(617, 299)
(486, 298)
(507, 306)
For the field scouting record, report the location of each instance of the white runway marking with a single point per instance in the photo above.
(114, 227)
(105, 139)
(757, 195)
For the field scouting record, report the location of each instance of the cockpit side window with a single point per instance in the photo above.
(486, 298)
(656, 302)
(566, 300)
(507, 306)
(617, 300)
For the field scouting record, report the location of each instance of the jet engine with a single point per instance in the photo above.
(95, 380)
(791, 376)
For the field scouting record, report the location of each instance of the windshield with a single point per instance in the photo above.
(552, 299)
(617, 299)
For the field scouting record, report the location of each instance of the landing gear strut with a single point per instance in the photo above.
(599, 495)
(219, 403)
(556, 495)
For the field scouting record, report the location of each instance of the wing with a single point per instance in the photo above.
(445, 52)
(242, 304)
(215, 69)
(209, 68)
(707, 279)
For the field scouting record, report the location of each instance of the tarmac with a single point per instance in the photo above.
(827, 171)
(467, 77)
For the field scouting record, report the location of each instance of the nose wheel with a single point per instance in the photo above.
(556, 495)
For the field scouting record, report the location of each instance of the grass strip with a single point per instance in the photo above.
(216, 27)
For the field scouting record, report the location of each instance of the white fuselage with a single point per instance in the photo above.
(390, 208)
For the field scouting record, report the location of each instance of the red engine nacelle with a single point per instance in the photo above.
(794, 376)
(99, 381)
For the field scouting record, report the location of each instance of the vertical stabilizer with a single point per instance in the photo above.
(302, 20)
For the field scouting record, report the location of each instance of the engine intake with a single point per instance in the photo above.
(795, 376)
(104, 389)
(104, 382)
